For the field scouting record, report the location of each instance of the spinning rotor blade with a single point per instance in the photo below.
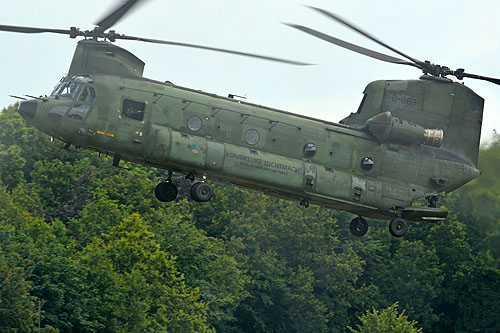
(350, 46)
(31, 30)
(364, 33)
(426, 66)
(113, 17)
(157, 41)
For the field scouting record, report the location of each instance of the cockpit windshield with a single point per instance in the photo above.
(68, 88)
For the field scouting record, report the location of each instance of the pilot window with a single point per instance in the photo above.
(92, 95)
(83, 94)
(134, 110)
(70, 89)
(87, 95)
(82, 105)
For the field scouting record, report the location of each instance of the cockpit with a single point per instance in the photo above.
(76, 95)
(66, 109)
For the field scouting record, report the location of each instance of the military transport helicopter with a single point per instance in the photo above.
(409, 139)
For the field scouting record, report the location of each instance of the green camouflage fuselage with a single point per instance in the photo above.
(280, 153)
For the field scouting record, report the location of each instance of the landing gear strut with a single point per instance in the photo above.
(358, 226)
(167, 191)
(304, 203)
(433, 200)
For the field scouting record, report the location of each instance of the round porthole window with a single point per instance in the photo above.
(310, 150)
(252, 137)
(367, 163)
(194, 123)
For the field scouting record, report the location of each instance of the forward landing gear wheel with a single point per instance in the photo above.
(166, 191)
(201, 192)
(398, 227)
(358, 226)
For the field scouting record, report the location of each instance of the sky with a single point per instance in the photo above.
(454, 33)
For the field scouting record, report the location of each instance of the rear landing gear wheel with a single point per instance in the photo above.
(358, 226)
(398, 227)
(201, 192)
(166, 191)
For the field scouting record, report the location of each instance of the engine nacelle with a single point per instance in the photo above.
(387, 128)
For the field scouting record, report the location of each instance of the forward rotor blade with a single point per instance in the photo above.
(157, 41)
(32, 30)
(116, 14)
(364, 33)
(350, 46)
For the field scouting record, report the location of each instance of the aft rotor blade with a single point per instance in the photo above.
(350, 46)
(115, 15)
(195, 46)
(32, 30)
(364, 33)
(479, 77)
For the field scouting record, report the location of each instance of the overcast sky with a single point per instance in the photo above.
(452, 33)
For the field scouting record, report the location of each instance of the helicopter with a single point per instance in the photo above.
(409, 139)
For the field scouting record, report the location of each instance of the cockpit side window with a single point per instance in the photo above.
(82, 104)
(59, 88)
(133, 109)
(83, 94)
(92, 95)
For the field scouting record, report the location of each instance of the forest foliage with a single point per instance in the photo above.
(85, 246)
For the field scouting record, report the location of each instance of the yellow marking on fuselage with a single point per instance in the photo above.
(111, 135)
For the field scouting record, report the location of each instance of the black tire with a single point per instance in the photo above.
(201, 192)
(166, 192)
(398, 227)
(358, 226)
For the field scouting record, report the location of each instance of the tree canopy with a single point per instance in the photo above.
(85, 246)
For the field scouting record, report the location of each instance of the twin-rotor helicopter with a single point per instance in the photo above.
(409, 139)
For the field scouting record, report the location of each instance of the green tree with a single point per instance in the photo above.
(301, 277)
(478, 202)
(414, 278)
(206, 262)
(386, 320)
(134, 285)
(30, 144)
(12, 163)
(17, 307)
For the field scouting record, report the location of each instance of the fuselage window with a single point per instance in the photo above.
(194, 123)
(252, 137)
(134, 110)
(367, 163)
(310, 150)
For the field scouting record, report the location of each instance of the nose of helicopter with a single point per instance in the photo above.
(27, 109)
